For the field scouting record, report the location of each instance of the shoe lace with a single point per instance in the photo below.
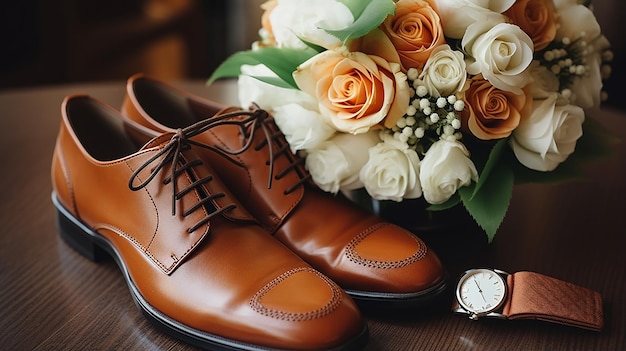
(258, 119)
(172, 152)
(296, 163)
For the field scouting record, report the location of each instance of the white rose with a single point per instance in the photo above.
(444, 73)
(501, 53)
(304, 129)
(392, 171)
(334, 165)
(575, 18)
(268, 96)
(545, 139)
(293, 21)
(445, 168)
(457, 15)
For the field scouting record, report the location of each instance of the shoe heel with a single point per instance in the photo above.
(77, 236)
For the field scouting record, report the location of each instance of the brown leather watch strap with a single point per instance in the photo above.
(536, 296)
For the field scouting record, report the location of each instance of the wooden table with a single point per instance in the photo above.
(53, 299)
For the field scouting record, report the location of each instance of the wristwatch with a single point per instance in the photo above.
(527, 295)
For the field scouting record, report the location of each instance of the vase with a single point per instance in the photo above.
(452, 232)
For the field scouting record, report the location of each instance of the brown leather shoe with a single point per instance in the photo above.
(196, 262)
(377, 263)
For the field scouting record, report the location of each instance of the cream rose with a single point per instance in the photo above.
(304, 129)
(444, 73)
(415, 30)
(537, 18)
(501, 54)
(492, 113)
(445, 168)
(292, 21)
(392, 171)
(334, 165)
(457, 15)
(549, 136)
(355, 91)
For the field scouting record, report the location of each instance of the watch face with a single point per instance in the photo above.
(481, 291)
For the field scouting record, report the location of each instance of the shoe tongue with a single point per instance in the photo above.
(157, 141)
(226, 110)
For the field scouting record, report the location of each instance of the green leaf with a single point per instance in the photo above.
(367, 16)
(274, 81)
(282, 61)
(452, 201)
(488, 205)
(495, 158)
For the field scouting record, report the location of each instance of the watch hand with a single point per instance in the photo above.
(480, 290)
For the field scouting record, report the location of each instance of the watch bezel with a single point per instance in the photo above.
(492, 312)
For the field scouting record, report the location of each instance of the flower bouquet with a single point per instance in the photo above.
(454, 101)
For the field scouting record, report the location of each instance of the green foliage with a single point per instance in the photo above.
(488, 199)
(367, 16)
(283, 62)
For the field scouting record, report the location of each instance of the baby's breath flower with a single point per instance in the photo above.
(427, 118)
(434, 117)
(421, 91)
(401, 123)
(456, 124)
(407, 131)
(419, 132)
(566, 93)
(459, 105)
(411, 110)
(442, 102)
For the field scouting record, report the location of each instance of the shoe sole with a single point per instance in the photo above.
(97, 248)
(377, 301)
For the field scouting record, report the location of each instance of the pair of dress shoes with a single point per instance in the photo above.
(221, 236)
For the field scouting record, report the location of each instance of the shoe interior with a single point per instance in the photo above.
(99, 129)
(170, 109)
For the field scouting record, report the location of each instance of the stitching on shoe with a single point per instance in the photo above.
(358, 259)
(145, 249)
(332, 304)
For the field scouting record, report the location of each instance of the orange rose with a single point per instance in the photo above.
(415, 30)
(537, 18)
(266, 25)
(492, 113)
(355, 91)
